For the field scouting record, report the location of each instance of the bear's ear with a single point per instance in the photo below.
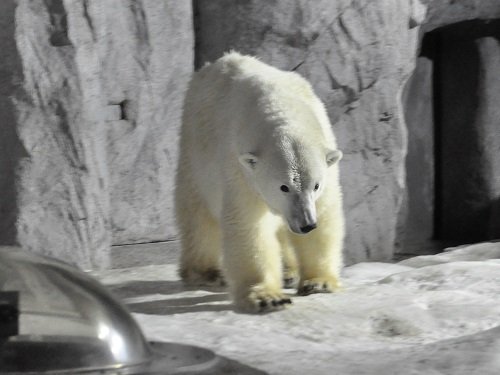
(248, 160)
(333, 156)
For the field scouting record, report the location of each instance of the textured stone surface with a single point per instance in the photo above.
(488, 121)
(445, 12)
(63, 182)
(10, 147)
(467, 144)
(97, 94)
(146, 49)
(144, 254)
(357, 55)
(417, 215)
(470, 125)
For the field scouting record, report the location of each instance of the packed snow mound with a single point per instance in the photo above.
(365, 272)
(426, 315)
(480, 252)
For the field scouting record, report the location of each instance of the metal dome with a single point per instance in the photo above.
(54, 317)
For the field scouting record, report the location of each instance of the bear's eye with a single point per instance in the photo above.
(284, 188)
(316, 187)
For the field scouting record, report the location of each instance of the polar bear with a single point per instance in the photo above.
(257, 182)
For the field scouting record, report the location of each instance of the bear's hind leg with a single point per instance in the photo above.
(201, 245)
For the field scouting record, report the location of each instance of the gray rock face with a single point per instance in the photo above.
(418, 210)
(488, 122)
(445, 12)
(97, 108)
(453, 131)
(357, 55)
(63, 182)
(10, 147)
(91, 92)
(470, 142)
(146, 51)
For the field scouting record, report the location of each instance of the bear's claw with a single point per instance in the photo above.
(262, 301)
(274, 304)
(312, 288)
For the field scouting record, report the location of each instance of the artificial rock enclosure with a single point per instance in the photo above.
(91, 96)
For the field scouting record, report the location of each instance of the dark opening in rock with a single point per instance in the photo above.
(59, 23)
(452, 109)
(123, 109)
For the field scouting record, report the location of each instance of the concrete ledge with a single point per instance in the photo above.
(137, 255)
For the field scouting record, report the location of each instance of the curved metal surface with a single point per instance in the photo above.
(54, 319)
(66, 320)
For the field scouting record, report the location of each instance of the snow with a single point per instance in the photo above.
(435, 314)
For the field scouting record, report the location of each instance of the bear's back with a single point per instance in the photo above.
(249, 70)
(281, 91)
(241, 91)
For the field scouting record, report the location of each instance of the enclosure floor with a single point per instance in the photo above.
(431, 314)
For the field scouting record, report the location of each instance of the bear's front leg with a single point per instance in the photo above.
(320, 255)
(252, 262)
(289, 260)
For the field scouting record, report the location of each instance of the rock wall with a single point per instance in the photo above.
(455, 83)
(470, 127)
(146, 51)
(91, 95)
(10, 147)
(446, 12)
(63, 181)
(418, 210)
(97, 112)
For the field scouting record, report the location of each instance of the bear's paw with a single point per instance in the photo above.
(262, 300)
(318, 285)
(208, 277)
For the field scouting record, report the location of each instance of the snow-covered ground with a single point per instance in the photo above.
(426, 315)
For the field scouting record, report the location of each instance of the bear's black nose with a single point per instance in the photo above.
(308, 228)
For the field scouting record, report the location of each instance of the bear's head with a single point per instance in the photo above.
(290, 178)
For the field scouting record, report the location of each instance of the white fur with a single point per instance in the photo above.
(248, 129)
